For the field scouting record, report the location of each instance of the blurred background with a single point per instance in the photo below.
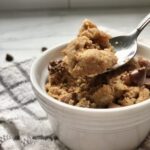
(26, 26)
(49, 4)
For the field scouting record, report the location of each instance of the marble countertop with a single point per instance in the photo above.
(23, 34)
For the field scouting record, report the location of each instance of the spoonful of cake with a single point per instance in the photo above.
(126, 45)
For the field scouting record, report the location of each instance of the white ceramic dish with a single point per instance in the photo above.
(91, 129)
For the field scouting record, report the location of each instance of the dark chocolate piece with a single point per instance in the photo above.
(55, 67)
(44, 49)
(74, 96)
(138, 76)
(9, 57)
(145, 63)
(147, 82)
(148, 71)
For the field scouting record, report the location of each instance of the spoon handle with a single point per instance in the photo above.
(141, 26)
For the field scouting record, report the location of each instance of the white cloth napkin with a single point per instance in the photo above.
(23, 123)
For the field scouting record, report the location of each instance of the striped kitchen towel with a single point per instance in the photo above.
(23, 123)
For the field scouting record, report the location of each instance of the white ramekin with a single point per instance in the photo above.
(91, 129)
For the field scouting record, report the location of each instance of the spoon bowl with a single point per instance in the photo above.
(126, 45)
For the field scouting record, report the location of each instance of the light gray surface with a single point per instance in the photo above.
(49, 4)
(24, 33)
(108, 3)
(32, 4)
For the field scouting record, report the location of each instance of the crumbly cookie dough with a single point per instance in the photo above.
(125, 86)
(90, 53)
(77, 80)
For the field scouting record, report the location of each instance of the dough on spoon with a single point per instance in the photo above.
(90, 53)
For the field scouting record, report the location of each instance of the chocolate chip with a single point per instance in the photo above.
(138, 76)
(43, 49)
(65, 80)
(126, 79)
(56, 67)
(53, 63)
(148, 71)
(143, 62)
(59, 61)
(9, 57)
(74, 96)
(51, 66)
(52, 71)
(147, 82)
